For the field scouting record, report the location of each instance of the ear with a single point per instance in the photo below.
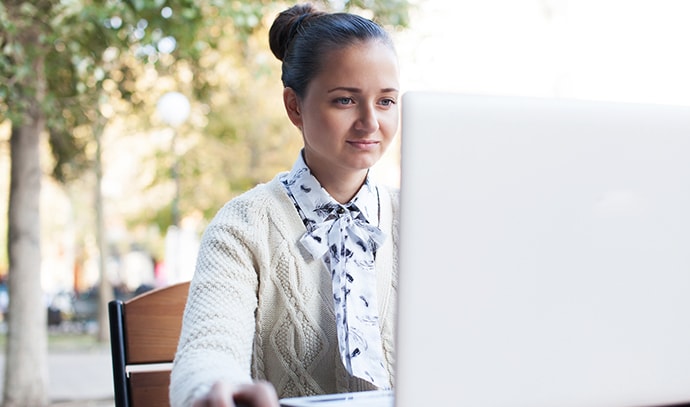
(293, 107)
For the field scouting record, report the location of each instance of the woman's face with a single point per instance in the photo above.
(350, 112)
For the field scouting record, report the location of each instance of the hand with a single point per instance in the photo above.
(257, 394)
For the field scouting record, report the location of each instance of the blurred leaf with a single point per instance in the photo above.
(105, 53)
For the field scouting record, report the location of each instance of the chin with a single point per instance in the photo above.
(364, 165)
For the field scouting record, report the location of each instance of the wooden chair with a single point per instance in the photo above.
(144, 332)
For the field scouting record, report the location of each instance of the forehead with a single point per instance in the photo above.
(369, 63)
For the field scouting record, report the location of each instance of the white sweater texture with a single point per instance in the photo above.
(260, 307)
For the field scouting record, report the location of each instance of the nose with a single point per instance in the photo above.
(368, 121)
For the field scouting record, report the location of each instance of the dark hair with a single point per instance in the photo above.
(301, 36)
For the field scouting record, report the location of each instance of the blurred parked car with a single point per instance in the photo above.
(69, 310)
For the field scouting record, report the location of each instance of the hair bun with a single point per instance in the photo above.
(285, 27)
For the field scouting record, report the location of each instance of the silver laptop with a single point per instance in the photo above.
(382, 398)
(545, 256)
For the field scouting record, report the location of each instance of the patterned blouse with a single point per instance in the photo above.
(345, 238)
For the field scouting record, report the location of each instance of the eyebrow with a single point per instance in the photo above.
(357, 90)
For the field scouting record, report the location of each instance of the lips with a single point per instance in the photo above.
(363, 143)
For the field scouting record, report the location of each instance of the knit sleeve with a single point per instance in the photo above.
(218, 325)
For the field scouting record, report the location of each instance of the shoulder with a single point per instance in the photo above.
(391, 195)
(390, 210)
(256, 202)
(261, 195)
(260, 198)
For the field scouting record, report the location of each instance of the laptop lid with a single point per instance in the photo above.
(545, 253)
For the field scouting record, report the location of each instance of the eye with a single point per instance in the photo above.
(387, 102)
(343, 101)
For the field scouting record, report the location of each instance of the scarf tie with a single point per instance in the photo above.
(344, 239)
(347, 244)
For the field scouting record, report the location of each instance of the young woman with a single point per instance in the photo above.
(295, 287)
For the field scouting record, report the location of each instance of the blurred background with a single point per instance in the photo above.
(158, 112)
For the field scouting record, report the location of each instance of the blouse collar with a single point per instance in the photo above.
(312, 198)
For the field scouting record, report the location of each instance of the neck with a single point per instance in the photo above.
(342, 187)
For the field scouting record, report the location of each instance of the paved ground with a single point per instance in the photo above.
(78, 378)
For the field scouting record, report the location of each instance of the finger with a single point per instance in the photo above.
(258, 394)
(218, 396)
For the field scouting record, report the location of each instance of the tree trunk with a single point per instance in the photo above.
(26, 362)
(26, 369)
(105, 290)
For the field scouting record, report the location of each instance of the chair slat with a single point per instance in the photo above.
(153, 322)
(150, 389)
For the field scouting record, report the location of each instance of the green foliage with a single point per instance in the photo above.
(114, 58)
(387, 12)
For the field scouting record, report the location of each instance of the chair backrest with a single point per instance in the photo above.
(144, 332)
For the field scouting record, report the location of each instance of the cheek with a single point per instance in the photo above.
(389, 123)
(326, 123)
(315, 127)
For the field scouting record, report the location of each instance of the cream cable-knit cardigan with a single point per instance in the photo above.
(260, 308)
